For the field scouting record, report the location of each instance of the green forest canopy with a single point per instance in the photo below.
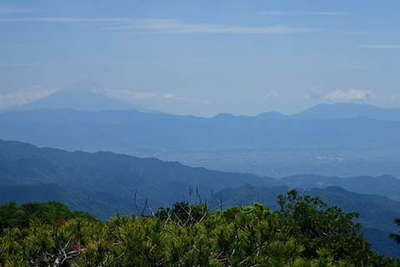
(303, 232)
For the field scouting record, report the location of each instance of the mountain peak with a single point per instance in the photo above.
(349, 111)
(79, 99)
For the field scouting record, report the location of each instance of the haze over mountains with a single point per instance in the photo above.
(329, 139)
(349, 111)
(88, 97)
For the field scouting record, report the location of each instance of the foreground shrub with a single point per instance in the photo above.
(304, 232)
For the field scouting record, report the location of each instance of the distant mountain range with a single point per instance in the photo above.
(337, 139)
(105, 184)
(86, 97)
(387, 186)
(335, 111)
(339, 111)
(130, 130)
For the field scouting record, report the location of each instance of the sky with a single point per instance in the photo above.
(203, 57)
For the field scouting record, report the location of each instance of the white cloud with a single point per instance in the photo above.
(131, 95)
(349, 95)
(165, 25)
(302, 13)
(272, 94)
(178, 27)
(381, 46)
(142, 96)
(24, 96)
(174, 98)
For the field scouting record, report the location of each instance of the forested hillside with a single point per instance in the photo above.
(95, 181)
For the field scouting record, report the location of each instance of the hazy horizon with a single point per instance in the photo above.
(203, 58)
(98, 100)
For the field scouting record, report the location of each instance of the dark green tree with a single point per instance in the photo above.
(396, 237)
(184, 213)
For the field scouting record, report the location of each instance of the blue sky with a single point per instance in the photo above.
(204, 57)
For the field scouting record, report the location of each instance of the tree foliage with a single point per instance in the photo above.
(20, 215)
(396, 237)
(305, 232)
